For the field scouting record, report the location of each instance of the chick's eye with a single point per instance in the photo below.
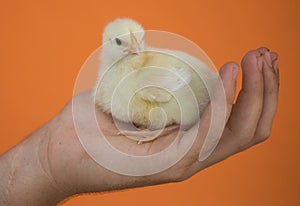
(118, 41)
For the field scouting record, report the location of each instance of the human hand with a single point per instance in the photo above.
(249, 122)
(61, 167)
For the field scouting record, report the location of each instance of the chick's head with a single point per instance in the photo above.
(122, 37)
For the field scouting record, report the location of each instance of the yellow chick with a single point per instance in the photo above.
(135, 80)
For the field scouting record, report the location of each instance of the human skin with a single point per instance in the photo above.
(51, 165)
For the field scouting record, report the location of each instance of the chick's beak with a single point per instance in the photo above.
(134, 47)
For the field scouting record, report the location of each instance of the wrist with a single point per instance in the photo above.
(25, 176)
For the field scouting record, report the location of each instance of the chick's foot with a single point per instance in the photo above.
(146, 135)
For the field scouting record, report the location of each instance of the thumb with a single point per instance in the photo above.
(228, 74)
(216, 119)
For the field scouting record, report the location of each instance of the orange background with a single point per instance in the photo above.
(44, 43)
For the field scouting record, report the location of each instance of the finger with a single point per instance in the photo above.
(227, 145)
(228, 73)
(271, 86)
(247, 110)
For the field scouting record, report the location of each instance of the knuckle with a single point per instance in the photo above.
(243, 139)
(271, 90)
(180, 175)
(242, 142)
(181, 178)
(263, 136)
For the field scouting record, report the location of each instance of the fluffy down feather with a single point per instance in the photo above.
(131, 84)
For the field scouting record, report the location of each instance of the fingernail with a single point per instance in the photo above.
(235, 71)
